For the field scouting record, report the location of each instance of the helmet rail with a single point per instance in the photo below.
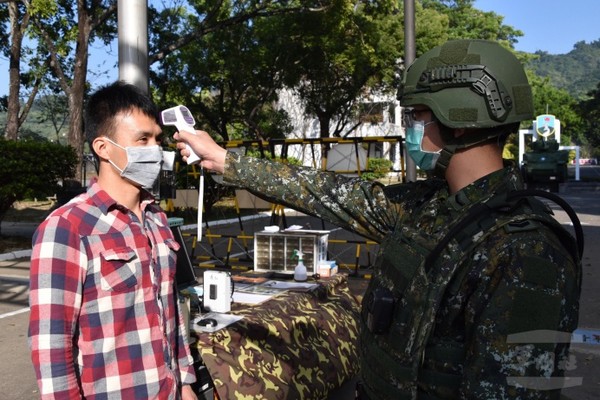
(478, 77)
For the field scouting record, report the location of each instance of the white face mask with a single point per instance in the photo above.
(143, 164)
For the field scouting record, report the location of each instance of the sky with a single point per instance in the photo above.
(553, 26)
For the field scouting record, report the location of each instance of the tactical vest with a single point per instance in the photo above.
(402, 300)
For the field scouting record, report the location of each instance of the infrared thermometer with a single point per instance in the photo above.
(182, 119)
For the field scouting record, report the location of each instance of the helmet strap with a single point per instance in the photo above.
(453, 144)
(447, 152)
(442, 163)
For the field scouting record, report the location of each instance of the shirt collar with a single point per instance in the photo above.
(105, 203)
(506, 179)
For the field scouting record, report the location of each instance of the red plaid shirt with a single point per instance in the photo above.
(105, 321)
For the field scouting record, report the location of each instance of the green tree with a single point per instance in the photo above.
(432, 28)
(64, 30)
(343, 66)
(18, 16)
(590, 113)
(344, 54)
(224, 61)
(31, 169)
(228, 60)
(229, 77)
(54, 111)
(577, 71)
(467, 22)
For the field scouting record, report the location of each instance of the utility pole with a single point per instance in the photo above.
(409, 57)
(132, 17)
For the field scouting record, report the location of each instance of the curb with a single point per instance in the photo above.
(15, 255)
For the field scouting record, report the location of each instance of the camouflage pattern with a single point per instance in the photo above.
(294, 346)
(448, 337)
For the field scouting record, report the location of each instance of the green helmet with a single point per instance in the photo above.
(469, 84)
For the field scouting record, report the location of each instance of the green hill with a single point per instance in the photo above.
(577, 72)
(38, 126)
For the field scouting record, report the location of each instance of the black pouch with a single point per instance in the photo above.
(380, 310)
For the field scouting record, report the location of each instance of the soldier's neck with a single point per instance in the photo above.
(468, 165)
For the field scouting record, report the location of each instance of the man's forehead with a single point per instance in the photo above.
(136, 122)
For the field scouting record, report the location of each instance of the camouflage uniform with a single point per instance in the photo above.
(449, 329)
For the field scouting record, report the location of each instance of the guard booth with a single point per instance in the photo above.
(545, 165)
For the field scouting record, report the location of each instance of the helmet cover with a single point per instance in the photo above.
(469, 84)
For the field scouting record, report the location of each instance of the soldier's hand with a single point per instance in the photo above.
(212, 155)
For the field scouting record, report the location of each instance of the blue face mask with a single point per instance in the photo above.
(425, 160)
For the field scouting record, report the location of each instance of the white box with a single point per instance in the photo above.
(327, 272)
(274, 251)
(217, 293)
(327, 268)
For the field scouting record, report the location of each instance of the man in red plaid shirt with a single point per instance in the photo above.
(105, 322)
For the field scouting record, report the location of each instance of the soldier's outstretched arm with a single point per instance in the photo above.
(351, 203)
(354, 204)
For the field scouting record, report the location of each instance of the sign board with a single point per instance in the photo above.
(545, 125)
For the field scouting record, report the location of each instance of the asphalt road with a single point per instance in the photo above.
(17, 377)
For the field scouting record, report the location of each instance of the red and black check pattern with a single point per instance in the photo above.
(105, 322)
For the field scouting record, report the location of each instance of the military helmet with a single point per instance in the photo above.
(469, 84)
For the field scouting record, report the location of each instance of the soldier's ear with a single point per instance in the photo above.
(458, 132)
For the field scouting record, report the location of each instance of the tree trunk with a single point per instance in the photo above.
(75, 93)
(14, 74)
(75, 134)
(324, 123)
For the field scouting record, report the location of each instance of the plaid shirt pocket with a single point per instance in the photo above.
(118, 269)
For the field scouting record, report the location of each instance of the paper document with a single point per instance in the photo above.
(250, 298)
(282, 285)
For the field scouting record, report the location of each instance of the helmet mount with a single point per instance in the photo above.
(478, 78)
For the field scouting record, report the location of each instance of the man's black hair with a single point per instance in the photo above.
(110, 100)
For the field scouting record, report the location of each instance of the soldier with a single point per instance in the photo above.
(457, 294)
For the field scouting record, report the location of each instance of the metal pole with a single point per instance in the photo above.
(409, 57)
(132, 20)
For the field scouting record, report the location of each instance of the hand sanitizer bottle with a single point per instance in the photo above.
(300, 270)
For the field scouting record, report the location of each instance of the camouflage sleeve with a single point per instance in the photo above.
(354, 204)
(520, 317)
